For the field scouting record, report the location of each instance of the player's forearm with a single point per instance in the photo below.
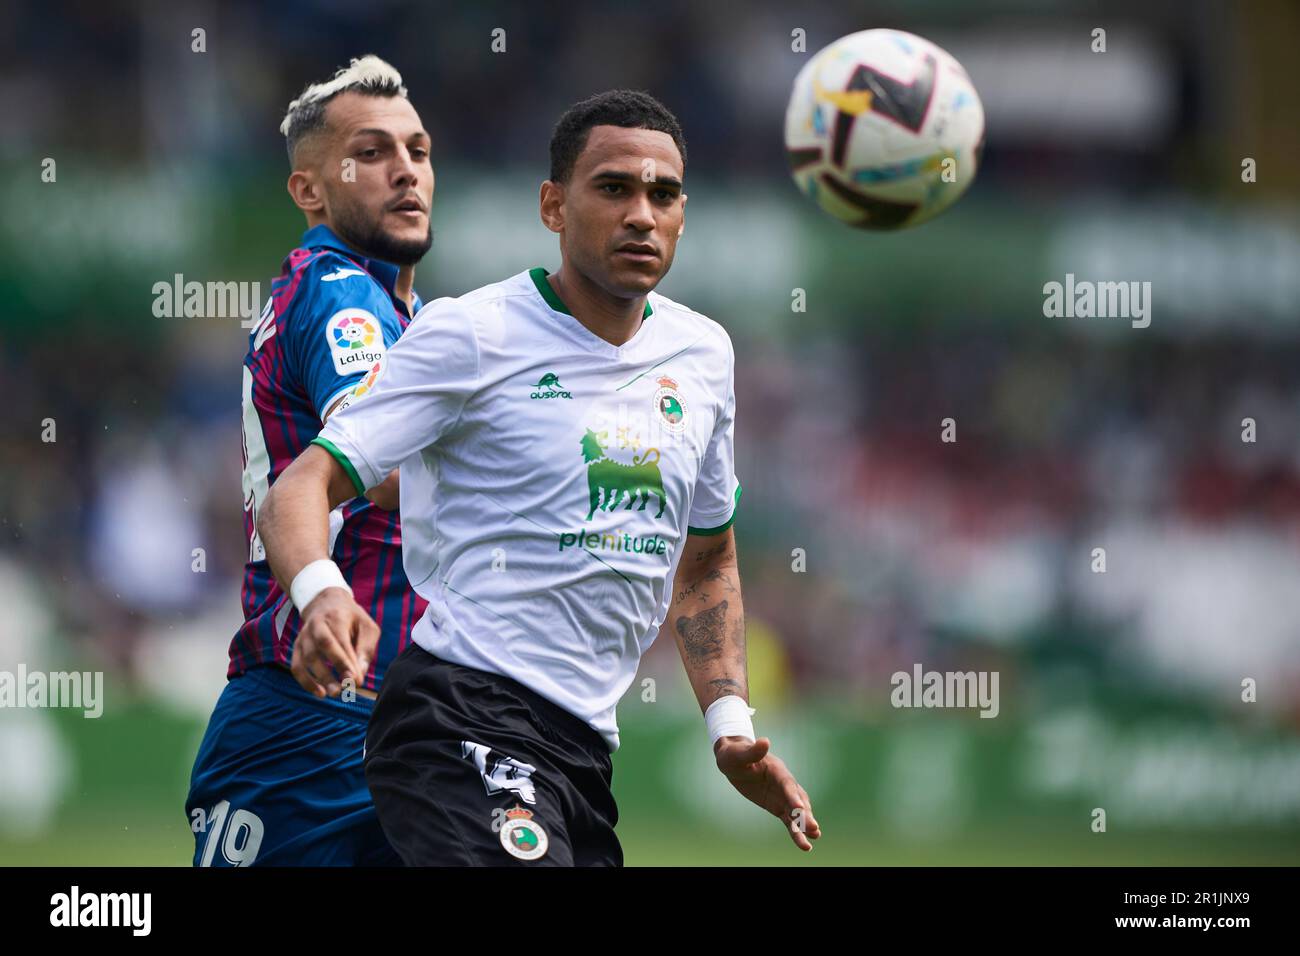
(707, 617)
(293, 522)
(386, 495)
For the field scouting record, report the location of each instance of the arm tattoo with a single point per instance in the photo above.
(718, 575)
(702, 635)
(682, 594)
(712, 552)
(725, 686)
(714, 575)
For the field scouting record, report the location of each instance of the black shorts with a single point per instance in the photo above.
(468, 768)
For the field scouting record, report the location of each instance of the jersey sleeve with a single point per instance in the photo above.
(340, 331)
(717, 490)
(429, 375)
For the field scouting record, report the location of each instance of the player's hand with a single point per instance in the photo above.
(337, 640)
(763, 779)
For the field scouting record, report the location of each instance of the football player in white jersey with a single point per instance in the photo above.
(567, 485)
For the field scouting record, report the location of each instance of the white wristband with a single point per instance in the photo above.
(314, 578)
(729, 717)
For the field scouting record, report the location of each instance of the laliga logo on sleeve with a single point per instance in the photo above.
(523, 838)
(355, 342)
(363, 387)
(368, 383)
(354, 331)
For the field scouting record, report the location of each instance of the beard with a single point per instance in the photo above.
(368, 237)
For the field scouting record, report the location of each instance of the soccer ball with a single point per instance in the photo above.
(884, 129)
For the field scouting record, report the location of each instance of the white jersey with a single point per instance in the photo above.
(548, 480)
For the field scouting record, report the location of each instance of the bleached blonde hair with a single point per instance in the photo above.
(366, 74)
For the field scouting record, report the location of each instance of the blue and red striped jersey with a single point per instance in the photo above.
(323, 337)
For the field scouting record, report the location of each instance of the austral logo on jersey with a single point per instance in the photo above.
(355, 340)
(550, 387)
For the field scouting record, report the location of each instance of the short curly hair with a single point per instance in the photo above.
(631, 109)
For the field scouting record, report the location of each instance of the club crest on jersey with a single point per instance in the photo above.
(522, 836)
(670, 406)
(355, 340)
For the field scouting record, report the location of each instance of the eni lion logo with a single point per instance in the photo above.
(608, 481)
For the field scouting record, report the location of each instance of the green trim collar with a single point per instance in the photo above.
(555, 302)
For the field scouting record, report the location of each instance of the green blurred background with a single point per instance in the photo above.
(1120, 690)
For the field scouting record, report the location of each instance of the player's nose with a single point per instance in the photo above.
(639, 214)
(405, 171)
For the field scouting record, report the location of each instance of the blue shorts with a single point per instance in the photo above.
(279, 779)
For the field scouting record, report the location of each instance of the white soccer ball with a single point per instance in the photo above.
(884, 129)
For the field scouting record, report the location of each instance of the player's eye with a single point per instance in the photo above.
(370, 152)
(665, 195)
(612, 187)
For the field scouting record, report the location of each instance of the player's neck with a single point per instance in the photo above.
(611, 317)
(403, 287)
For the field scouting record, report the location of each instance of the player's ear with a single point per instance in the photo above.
(682, 228)
(304, 192)
(551, 205)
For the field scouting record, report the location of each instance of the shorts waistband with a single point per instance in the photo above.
(571, 724)
(280, 681)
